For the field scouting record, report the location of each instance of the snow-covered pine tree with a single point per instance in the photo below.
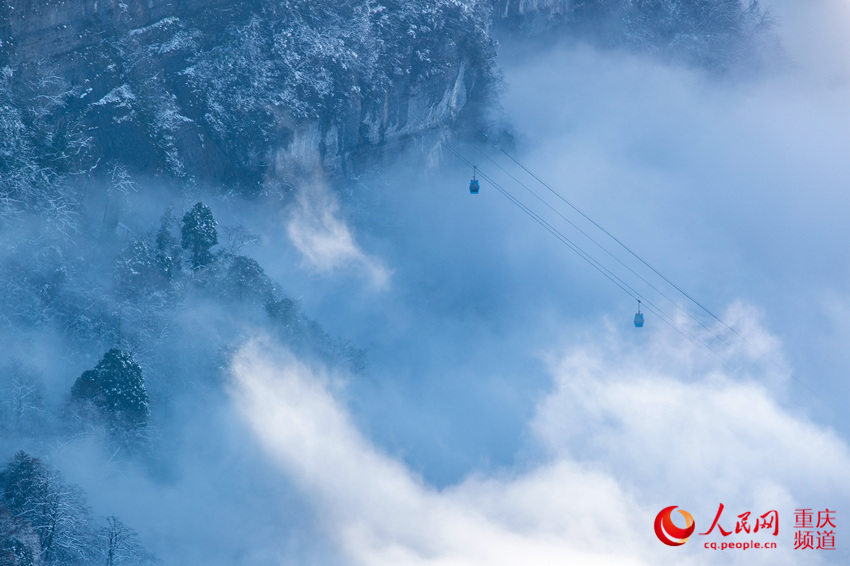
(117, 388)
(199, 234)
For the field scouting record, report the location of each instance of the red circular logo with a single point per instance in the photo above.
(670, 534)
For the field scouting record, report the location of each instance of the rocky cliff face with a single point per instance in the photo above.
(230, 92)
(250, 93)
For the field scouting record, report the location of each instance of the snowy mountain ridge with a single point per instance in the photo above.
(248, 94)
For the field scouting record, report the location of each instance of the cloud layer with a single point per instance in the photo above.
(324, 240)
(622, 442)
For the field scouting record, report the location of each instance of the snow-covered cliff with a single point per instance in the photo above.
(227, 91)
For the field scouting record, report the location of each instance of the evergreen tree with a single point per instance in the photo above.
(24, 481)
(246, 280)
(198, 234)
(116, 387)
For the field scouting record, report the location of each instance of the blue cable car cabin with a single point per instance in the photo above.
(473, 184)
(639, 317)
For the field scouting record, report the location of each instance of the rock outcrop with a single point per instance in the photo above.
(248, 93)
(229, 92)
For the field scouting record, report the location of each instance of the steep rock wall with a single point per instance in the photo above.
(217, 90)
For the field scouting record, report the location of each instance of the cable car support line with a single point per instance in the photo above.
(628, 289)
(600, 246)
(625, 287)
(610, 235)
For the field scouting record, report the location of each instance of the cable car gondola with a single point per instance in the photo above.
(624, 285)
